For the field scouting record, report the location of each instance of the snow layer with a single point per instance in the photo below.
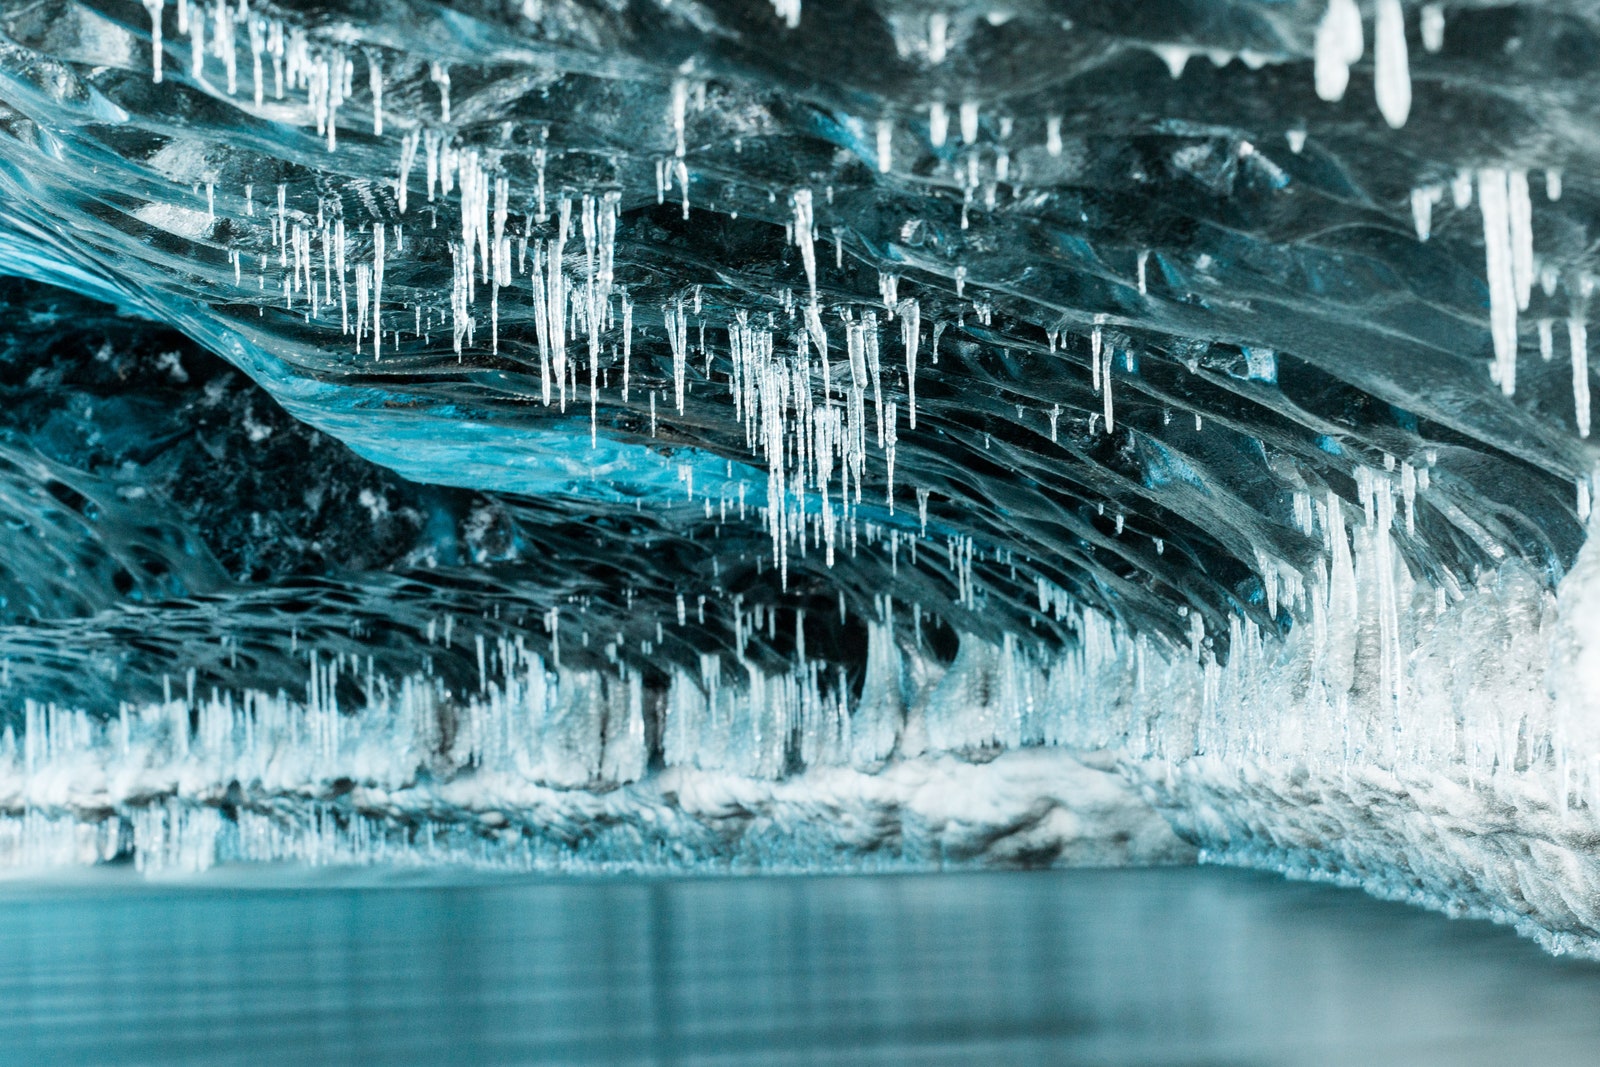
(1024, 808)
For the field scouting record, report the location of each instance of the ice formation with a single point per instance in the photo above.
(738, 434)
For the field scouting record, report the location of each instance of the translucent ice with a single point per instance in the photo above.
(457, 445)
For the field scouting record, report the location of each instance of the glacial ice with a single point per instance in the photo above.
(461, 444)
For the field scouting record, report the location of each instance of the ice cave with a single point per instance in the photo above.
(649, 453)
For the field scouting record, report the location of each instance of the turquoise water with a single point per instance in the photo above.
(1177, 966)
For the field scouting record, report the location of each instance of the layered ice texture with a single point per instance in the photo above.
(731, 435)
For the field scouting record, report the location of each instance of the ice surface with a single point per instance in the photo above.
(551, 416)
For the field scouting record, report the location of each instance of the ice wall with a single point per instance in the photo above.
(722, 434)
(1465, 780)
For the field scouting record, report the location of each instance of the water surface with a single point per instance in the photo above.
(1173, 966)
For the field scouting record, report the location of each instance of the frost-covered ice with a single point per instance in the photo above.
(706, 435)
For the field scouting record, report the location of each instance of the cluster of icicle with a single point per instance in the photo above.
(803, 413)
(1481, 683)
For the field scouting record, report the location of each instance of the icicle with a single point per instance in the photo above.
(910, 332)
(804, 238)
(408, 157)
(1578, 338)
(197, 43)
(1392, 73)
(676, 324)
(1492, 202)
(258, 45)
(938, 42)
(1521, 220)
(1096, 344)
(363, 300)
(377, 289)
(430, 147)
(885, 141)
(969, 121)
(1432, 27)
(281, 227)
(938, 124)
(375, 82)
(439, 73)
(677, 114)
(1106, 382)
(1408, 493)
(1422, 202)
(627, 343)
(154, 7)
(344, 304)
(788, 11)
(1339, 44)
(1052, 135)
(891, 438)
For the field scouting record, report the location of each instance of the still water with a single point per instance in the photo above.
(1179, 966)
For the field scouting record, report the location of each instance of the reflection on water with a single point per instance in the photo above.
(1185, 966)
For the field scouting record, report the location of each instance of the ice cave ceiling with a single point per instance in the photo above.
(982, 308)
